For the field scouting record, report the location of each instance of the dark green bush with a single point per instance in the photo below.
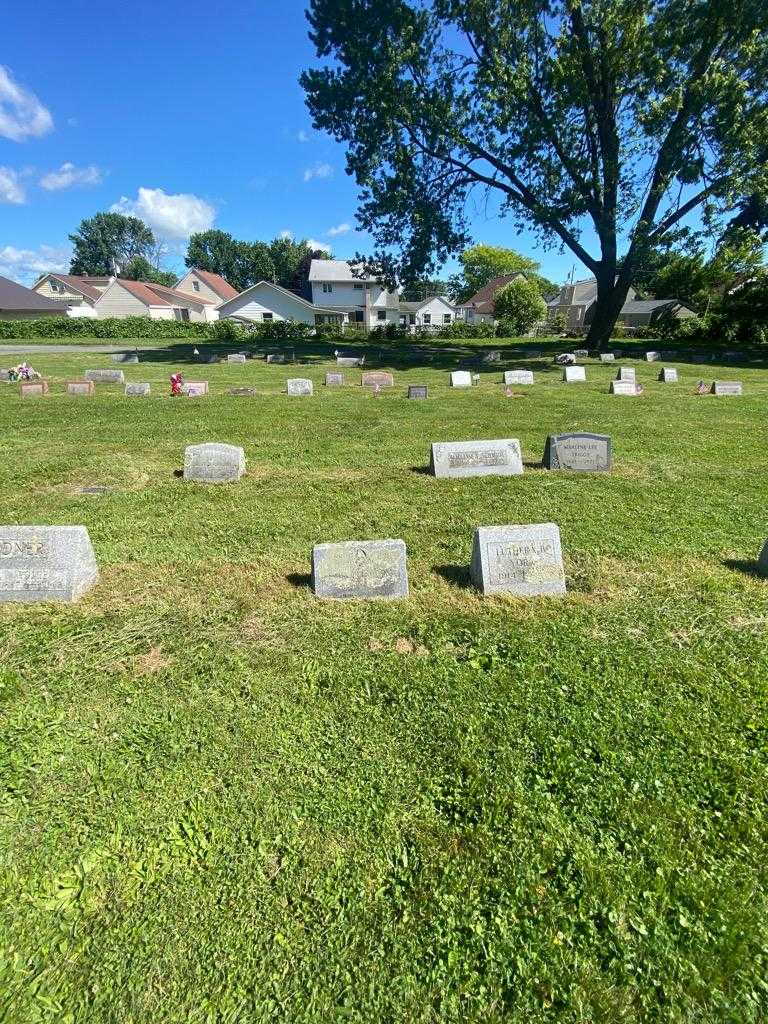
(53, 328)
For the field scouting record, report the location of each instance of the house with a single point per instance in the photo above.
(20, 303)
(433, 312)
(479, 308)
(363, 299)
(267, 301)
(639, 312)
(207, 285)
(124, 298)
(576, 302)
(80, 293)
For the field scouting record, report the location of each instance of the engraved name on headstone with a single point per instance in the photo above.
(334, 380)
(416, 391)
(33, 388)
(105, 376)
(299, 386)
(668, 375)
(137, 390)
(526, 561)
(722, 388)
(580, 453)
(518, 377)
(572, 374)
(461, 379)
(81, 387)
(45, 563)
(501, 457)
(213, 463)
(360, 568)
(377, 378)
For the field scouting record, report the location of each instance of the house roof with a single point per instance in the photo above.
(215, 282)
(80, 284)
(414, 307)
(482, 300)
(174, 297)
(16, 297)
(142, 292)
(334, 270)
(649, 305)
(284, 291)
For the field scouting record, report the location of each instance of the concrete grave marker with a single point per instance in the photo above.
(360, 568)
(573, 374)
(213, 463)
(607, 357)
(461, 379)
(518, 377)
(526, 561)
(350, 361)
(579, 453)
(652, 357)
(195, 388)
(723, 388)
(137, 390)
(377, 378)
(623, 387)
(668, 375)
(581, 353)
(626, 373)
(298, 386)
(85, 388)
(334, 380)
(45, 563)
(457, 459)
(33, 388)
(105, 376)
(416, 391)
(125, 357)
(236, 357)
(280, 357)
(243, 392)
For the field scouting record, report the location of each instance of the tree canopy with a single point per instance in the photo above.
(481, 263)
(138, 268)
(283, 260)
(520, 304)
(623, 116)
(105, 243)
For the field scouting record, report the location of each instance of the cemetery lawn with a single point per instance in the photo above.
(227, 802)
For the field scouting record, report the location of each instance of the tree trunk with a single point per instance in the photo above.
(611, 296)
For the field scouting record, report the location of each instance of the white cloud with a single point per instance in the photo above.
(26, 265)
(340, 229)
(312, 243)
(11, 188)
(22, 115)
(318, 171)
(286, 233)
(69, 175)
(173, 217)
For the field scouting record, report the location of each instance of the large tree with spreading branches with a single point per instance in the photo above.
(610, 120)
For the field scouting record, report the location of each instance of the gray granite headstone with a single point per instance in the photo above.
(526, 561)
(518, 377)
(762, 560)
(105, 376)
(360, 568)
(458, 459)
(45, 563)
(213, 463)
(652, 357)
(299, 386)
(580, 453)
(235, 357)
(607, 357)
(377, 379)
(33, 388)
(243, 392)
(124, 357)
(280, 357)
(5, 374)
(334, 380)
(626, 373)
(461, 379)
(195, 388)
(572, 374)
(623, 387)
(350, 360)
(137, 390)
(722, 388)
(85, 388)
(668, 375)
(581, 353)
(417, 391)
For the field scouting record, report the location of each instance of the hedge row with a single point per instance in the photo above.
(63, 328)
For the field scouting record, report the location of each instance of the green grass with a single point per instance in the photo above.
(226, 801)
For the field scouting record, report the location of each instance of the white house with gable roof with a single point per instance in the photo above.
(363, 299)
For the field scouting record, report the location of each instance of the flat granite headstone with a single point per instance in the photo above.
(33, 388)
(334, 380)
(195, 388)
(417, 390)
(137, 390)
(461, 379)
(377, 379)
(350, 360)
(526, 561)
(518, 377)
(580, 453)
(722, 388)
(458, 459)
(125, 357)
(45, 563)
(668, 375)
(626, 373)
(243, 392)
(213, 463)
(652, 357)
(572, 374)
(105, 376)
(607, 357)
(81, 387)
(299, 386)
(360, 568)
(623, 387)
(236, 357)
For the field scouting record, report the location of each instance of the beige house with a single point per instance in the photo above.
(206, 285)
(139, 298)
(576, 303)
(72, 289)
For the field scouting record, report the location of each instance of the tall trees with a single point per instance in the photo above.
(104, 244)
(481, 263)
(621, 115)
(283, 260)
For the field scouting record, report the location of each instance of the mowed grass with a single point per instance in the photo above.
(227, 801)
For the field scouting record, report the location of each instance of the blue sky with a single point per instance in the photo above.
(189, 115)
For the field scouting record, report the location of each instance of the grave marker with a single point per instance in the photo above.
(623, 387)
(125, 357)
(280, 357)
(581, 353)
(350, 361)
(33, 388)
(607, 357)
(105, 376)
(526, 561)
(85, 388)
(579, 453)
(722, 388)
(236, 357)
(360, 568)
(626, 373)
(137, 390)
(213, 463)
(243, 392)
(334, 380)
(762, 560)
(668, 375)
(652, 357)
(461, 379)
(377, 378)
(457, 459)
(416, 391)
(45, 563)
(518, 377)
(298, 386)
(195, 388)
(574, 374)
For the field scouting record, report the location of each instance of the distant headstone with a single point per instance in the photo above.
(5, 374)
(461, 379)
(195, 388)
(137, 390)
(526, 561)
(213, 463)
(45, 563)
(350, 360)
(490, 357)
(33, 388)
(626, 373)
(652, 357)
(565, 358)
(573, 374)
(334, 380)
(298, 386)
(722, 388)
(377, 378)
(243, 392)
(236, 357)
(105, 376)
(360, 568)
(417, 390)
(81, 387)
(125, 357)
(280, 357)
(623, 387)
(476, 458)
(668, 375)
(607, 357)
(518, 377)
(579, 453)
(581, 353)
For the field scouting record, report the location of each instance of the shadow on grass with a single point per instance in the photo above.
(300, 580)
(179, 474)
(746, 566)
(456, 575)
(533, 464)
(422, 470)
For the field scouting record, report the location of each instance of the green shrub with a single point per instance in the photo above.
(521, 305)
(227, 331)
(63, 327)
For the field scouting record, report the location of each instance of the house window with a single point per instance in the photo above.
(266, 316)
(327, 287)
(196, 285)
(446, 318)
(411, 318)
(359, 317)
(358, 287)
(180, 313)
(381, 314)
(56, 287)
(427, 319)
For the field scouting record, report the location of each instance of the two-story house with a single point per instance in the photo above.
(364, 301)
(78, 293)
